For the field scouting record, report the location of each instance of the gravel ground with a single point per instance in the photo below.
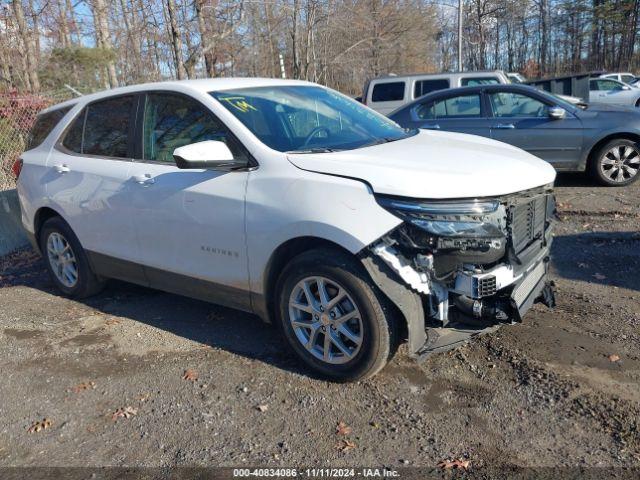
(560, 390)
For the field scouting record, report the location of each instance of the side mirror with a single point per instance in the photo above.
(626, 87)
(557, 113)
(207, 154)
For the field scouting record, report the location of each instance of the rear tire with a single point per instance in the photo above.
(67, 261)
(616, 163)
(345, 335)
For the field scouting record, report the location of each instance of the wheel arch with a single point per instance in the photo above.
(278, 261)
(266, 305)
(634, 137)
(42, 215)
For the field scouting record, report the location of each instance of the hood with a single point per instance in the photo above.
(436, 165)
(602, 107)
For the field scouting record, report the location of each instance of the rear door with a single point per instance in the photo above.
(88, 171)
(189, 223)
(523, 121)
(458, 113)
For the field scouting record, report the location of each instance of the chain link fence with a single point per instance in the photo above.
(17, 114)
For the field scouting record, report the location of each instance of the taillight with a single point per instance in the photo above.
(17, 168)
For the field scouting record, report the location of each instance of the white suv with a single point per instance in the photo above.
(292, 201)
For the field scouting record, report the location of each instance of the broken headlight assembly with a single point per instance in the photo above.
(467, 231)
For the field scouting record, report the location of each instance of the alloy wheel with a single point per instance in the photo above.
(621, 163)
(326, 320)
(62, 260)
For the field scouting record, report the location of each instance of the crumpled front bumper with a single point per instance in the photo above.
(441, 316)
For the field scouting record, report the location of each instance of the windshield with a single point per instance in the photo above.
(297, 118)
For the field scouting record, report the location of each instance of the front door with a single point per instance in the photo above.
(189, 223)
(523, 121)
(461, 113)
(87, 181)
(612, 92)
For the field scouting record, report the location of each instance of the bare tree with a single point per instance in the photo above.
(29, 44)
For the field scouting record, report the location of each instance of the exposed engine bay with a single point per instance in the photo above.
(474, 264)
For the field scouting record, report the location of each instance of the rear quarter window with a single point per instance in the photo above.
(388, 92)
(44, 124)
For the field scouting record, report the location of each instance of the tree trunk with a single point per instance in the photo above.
(103, 39)
(29, 47)
(176, 40)
(205, 39)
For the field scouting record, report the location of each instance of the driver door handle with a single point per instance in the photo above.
(144, 179)
(505, 126)
(61, 169)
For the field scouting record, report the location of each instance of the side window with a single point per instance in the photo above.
(45, 122)
(628, 78)
(388, 92)
(472, 82)
(422, 87)
(608, 85)
(172, 121)
(453, 107)
(509, 104)
(106, 127)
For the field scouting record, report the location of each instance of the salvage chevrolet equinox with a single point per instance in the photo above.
(294, 202)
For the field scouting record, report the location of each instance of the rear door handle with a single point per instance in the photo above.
(144, 179)
(431, 126)
(62, 169)
(505, 126)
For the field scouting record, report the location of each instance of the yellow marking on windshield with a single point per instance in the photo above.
(239, 103)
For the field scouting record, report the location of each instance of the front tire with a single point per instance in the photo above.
(616, 163)
(333, 317)
(67, 261)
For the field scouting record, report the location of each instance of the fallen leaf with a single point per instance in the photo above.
(143, 397)
(343, 429)
(346, 445)
(125, 412)
(614, 358)
(262, 408)
(112, 321)
(38, 426)
(457, 464)
(374, 424)
(599, 276)
(84, 386)
(190, 374)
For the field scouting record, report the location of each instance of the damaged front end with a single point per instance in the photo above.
(459, 268)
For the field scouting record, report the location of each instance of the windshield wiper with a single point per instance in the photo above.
(314, 150)
(380, 141)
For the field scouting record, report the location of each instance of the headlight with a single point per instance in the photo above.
(451, 219)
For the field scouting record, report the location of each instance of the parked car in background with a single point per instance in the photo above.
(386, 94)
(516, 77)
(602, 140)
(613, 92)
(292, 201)
(627, 78)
